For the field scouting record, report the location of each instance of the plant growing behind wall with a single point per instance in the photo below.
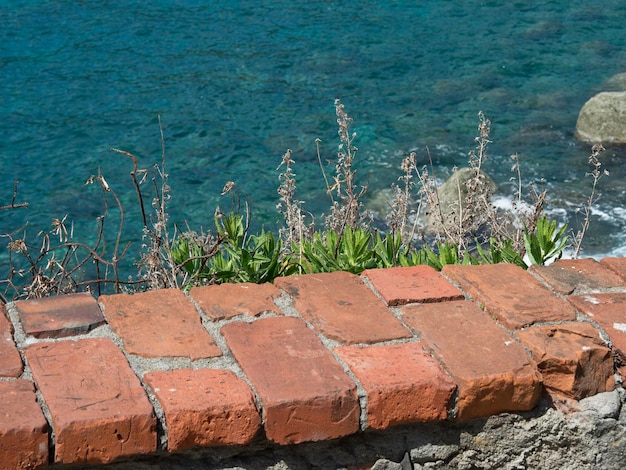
(345, 194)
(470, 232)
(596, 174)
(42, 266)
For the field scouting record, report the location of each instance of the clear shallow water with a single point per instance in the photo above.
(237, 83)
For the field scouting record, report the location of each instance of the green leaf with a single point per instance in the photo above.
(500, 253)
(545, 243)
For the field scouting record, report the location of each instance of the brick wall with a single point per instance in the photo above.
(310, 358)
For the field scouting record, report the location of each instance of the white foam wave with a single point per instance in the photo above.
(615, 216)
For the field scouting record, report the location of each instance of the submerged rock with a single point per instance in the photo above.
(616, 83)
(602, 119)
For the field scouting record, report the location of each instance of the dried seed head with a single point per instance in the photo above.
(18, 246)
(228, 187)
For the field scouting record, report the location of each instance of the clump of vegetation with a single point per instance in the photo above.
(465, 230)
(42, 266)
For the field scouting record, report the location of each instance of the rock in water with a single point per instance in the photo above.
(463, 193)
(602, 119)
(615, 83)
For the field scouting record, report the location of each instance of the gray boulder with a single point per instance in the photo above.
(602, 119)
(462, 193)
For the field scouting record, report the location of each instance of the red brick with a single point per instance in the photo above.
(160, 323)
(99, 409)
(342, 307)
(23, 427)
(492, 371)
(609, 311)
(305, 393)
(572, 358)
(10, 360)
(404, 384)
(60, 315)
(205, 407)
(513, 296)
(580, 275)
(229, 300)
(403, 285)
(617, 265)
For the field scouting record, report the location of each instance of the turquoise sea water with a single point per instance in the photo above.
(236, 83)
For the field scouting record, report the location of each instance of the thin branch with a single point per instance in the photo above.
(13, 205)
(133, 174)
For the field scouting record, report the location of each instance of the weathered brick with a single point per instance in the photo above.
(229, 300)
(305, 393)
(342, 307)
(403, 383)
(609, 311)
(99, 409)
(10, 360)
(23, 427)
(403, 285)
(60, 315)
(492, 371)
(580, 275)
(513, 296)
(572, 358)
(617, 265)
(160, 323)
(205, 407)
